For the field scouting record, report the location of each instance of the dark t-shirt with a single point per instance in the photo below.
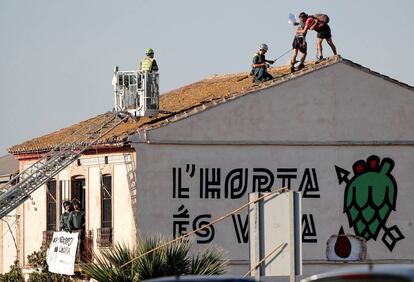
(77, 220)
(64, 221)
(258, 59)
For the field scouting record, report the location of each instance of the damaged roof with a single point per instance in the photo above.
(183, 102)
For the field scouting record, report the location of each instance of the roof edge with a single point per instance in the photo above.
(201, 107)
(368, 70)
(285, 78)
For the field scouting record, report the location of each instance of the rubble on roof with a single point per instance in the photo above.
(186, 100)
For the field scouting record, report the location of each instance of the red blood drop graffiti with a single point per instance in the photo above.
(343, 245)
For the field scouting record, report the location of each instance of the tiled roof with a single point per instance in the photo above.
(183, 102)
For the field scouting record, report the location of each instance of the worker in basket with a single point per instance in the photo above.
(148, 64)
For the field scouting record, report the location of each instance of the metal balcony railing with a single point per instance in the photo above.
(104, 237)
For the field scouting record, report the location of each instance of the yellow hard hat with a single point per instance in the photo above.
(149, 51)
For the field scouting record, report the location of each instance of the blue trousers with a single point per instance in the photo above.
(261, 74)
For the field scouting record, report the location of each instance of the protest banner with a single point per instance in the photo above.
(62, 252)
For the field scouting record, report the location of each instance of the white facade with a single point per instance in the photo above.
(8, 242)
(31, 222)
(300, 133)
(305, 133)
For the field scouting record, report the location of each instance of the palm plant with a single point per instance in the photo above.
(107, 265)
(171, 260)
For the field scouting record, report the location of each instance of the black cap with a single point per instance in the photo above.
(76, 202)
(66, 203)
(303, 15)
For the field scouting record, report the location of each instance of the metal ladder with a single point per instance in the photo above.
(131, 178)
(18, 189)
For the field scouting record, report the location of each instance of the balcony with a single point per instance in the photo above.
(104, 237)
(85, 244)
(47, 237)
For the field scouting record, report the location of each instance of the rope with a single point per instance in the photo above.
(280, 190)
(100, 173)
(263, 259)
(283, 54)
(11, 233)
(50, 194)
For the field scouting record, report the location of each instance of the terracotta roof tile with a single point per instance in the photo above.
(180, 103)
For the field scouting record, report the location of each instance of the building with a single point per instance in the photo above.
(339, 133)
(9, 168)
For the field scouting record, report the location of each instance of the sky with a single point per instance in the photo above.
(57, 57)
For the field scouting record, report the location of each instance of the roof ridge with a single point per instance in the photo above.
(188, 100)
(184, 113)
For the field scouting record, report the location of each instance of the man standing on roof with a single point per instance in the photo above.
(299, 44)
(323, 32)
(148, 64)
(259, 65)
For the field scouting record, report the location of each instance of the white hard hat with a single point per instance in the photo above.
(263, 46)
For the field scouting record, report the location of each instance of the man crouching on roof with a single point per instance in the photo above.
(259, 66)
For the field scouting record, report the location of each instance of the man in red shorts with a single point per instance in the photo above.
(323, 32)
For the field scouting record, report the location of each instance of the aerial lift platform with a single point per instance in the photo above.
(136, 94)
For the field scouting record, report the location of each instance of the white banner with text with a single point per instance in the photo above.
(62, 252)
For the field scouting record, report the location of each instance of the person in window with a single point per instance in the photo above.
(64, 219)
(77, 217)
(77, 224)
(148, 64)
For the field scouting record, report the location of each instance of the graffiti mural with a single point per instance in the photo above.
(369, 198)
(346, 247)
(213, 183)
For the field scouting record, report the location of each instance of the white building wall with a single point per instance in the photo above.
(157, 204)
(32, 214)
(337, 103)
(94, 202)
(124, 222)
(8, 249)
(302, 128)
(34, 223)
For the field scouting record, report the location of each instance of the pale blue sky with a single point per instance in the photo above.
(56, 57)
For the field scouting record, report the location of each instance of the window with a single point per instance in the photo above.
(78, 190)
(105, 233)
(106, 204)
(51, 205)
(64, 195)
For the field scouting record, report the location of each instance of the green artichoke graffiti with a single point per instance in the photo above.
(370, 197)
